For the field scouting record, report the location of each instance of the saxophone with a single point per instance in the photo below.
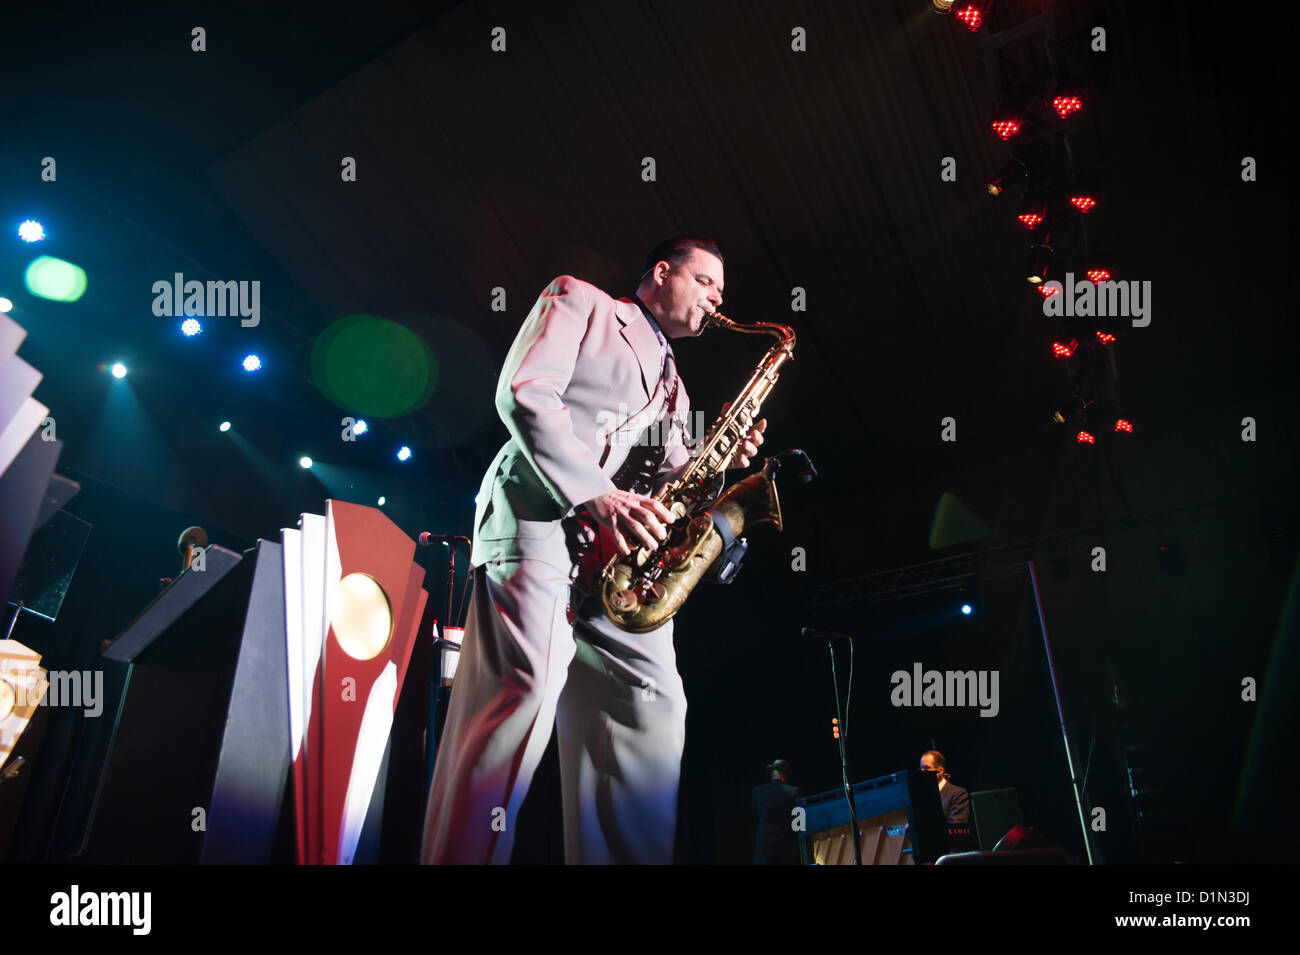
(642, 591)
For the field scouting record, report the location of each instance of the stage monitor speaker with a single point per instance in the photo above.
(199, 759)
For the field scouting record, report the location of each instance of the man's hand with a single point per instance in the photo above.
(749, 447)
(633, 518)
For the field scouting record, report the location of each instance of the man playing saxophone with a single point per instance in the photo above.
(565, 493)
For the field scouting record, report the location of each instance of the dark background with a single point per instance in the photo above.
(819, 170)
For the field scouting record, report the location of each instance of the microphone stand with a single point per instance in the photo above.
(435, 672)
(1079, 795)
(844, 756)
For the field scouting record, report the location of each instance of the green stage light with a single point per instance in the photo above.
(55, 279)
(373, 366)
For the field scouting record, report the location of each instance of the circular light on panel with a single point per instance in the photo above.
(363, 617)
(8, 699)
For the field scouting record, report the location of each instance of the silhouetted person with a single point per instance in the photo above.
(775, 842)
(954, 800)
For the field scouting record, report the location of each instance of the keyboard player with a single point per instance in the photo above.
(954, 800)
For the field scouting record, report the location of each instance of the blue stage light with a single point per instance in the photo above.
(190, 327)
(382, 501)
(966, 609)
(119, 370)
(304, 461)
(224, 426)
(360, 428)
(31, 231)
(403, 453)
(252, 363)
(6, 305)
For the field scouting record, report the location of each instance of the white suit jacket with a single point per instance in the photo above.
(582, 378)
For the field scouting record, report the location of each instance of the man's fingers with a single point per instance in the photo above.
(621, 543)
(647, 516)
(664, 514)
(647, 538)
(637, 531)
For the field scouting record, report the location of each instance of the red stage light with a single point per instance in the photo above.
(1083, 437)
(1030, 220)
(1047, 291)
(1122, 425)
(1006, 127)
(972, 16)
(1065, 105)
(1105, 337)
(1083, 203)
(1098, 275)
(1064, 351)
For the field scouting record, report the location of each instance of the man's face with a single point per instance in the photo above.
(927, 764)
(683, 293)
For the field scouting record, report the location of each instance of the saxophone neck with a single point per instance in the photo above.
(783, 332)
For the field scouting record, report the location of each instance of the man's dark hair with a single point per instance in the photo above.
(939, 762)
(677, 250)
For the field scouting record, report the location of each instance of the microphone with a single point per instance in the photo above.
(428, 540)
(190, 538)
(813, 632)
(808, 473)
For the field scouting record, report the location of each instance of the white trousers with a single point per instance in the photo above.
(535, 655)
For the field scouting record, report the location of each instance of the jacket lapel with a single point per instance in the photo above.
(641, 338)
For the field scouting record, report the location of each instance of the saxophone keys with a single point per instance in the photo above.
(624, 601)
(655, 593)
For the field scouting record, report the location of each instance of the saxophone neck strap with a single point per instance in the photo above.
(727, 565)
